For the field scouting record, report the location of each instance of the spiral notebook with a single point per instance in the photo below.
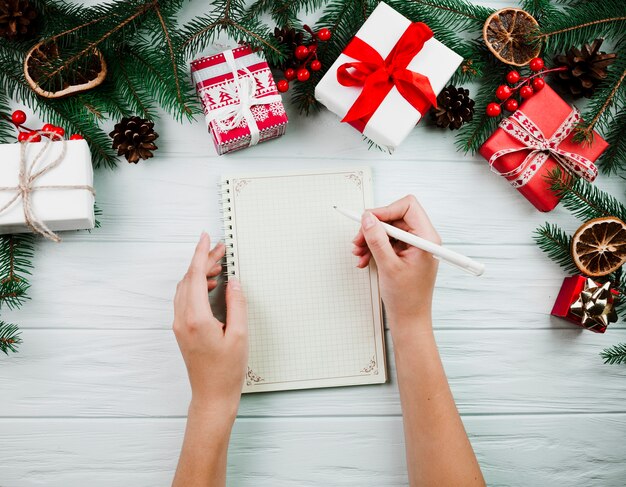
(314, 318)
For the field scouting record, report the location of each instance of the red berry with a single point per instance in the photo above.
(512, 77)
(34, 137)
(301, 52)
(503, 92)
(323, 34)
(290, 74)
(538, 84)
(23, 136)
(18, 117)
(76, 137)
(48, 128)
(493, 109)
(536, 64)
(511, 104)
(303, 74)
(60, 131)
(282, 85)
(316, 65)
(526, 92)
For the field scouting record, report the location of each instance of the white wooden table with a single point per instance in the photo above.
(98, 393)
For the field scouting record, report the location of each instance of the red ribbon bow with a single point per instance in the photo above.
(378, 76)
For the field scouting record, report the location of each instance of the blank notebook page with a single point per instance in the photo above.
(314, 318)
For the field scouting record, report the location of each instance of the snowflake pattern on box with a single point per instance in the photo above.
(219, 90)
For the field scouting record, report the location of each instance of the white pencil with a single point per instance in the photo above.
(439, 252)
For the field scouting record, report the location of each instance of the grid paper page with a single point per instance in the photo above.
(314, 318)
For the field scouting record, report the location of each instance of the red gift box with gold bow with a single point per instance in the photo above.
(537, 139)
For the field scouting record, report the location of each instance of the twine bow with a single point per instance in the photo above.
(230, 116)
(27, 177)
(594, 306)
(378, 76)
(523, 129)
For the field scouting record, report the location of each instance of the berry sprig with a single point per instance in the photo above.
(306, 55)
(526, 86)
(25, 134)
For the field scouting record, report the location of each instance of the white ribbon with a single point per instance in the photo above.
(229, 117)
(523, 129)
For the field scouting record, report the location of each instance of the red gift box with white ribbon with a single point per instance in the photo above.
(239, 98)
(537, 139)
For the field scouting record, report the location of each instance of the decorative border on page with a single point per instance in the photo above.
(356, 178)
(240, 184)
(371, 367)
(251, 377)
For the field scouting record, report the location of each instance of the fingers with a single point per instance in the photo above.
(214, 257)
(408, 209)
(236, 310)
(377, 241)
(200, 259)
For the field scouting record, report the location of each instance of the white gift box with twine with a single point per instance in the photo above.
(46, 187)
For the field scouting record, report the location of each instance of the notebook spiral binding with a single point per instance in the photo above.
(227, 226)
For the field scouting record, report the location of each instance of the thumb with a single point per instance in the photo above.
(236, 309)
(377, 240)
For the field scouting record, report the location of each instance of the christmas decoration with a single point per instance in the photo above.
(133, 138)
(241, 102)
(46, 186)
(599, 246)
(16, 19)
(50, 76)
(303, 55)
(454, 108)
(586, 202)
(586, 68)
(535, 140)
(383, 61)
(507, 34)
(587, 303)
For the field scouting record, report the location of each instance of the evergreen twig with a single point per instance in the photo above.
(615, 354)
(556, 243)
(9, 337)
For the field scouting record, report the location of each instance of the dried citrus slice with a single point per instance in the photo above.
(599, 246)
(52, 75)
(507, 35)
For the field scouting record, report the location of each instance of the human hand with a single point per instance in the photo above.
(215, 353)
(407, 274)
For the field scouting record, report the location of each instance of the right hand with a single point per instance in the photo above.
(406, 273)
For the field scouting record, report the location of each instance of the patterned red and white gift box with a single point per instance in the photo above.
(239, 98)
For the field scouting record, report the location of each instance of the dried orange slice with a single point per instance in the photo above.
(599, 246)
(507, 35)
(52, 75)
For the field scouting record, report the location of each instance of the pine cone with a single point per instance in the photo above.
(134, 138)
(16, 19)
(454, 108)
(290, 38)
(586, 68)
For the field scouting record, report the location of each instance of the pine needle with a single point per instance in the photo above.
(9, 337)
(615, 354)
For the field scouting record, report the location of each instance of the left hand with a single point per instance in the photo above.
(216, 353)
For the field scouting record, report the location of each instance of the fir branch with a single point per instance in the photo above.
(540, 9)
(458, 15)
(615, 354)
(9, 337)
(583, 199)
(614, 158)
(556, 243)
(170, 50)
(582, 23)
(612, 94)
(16, 254)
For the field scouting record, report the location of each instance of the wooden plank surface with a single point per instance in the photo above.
(528, 450)
(98, 393)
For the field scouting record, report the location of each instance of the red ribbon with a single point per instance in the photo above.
(378, 76)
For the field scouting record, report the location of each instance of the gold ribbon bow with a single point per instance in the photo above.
(594, 306)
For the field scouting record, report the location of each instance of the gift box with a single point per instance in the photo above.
(387, 77)
(586, 303)
(536, 140)
(45, 187)
(239, 98)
